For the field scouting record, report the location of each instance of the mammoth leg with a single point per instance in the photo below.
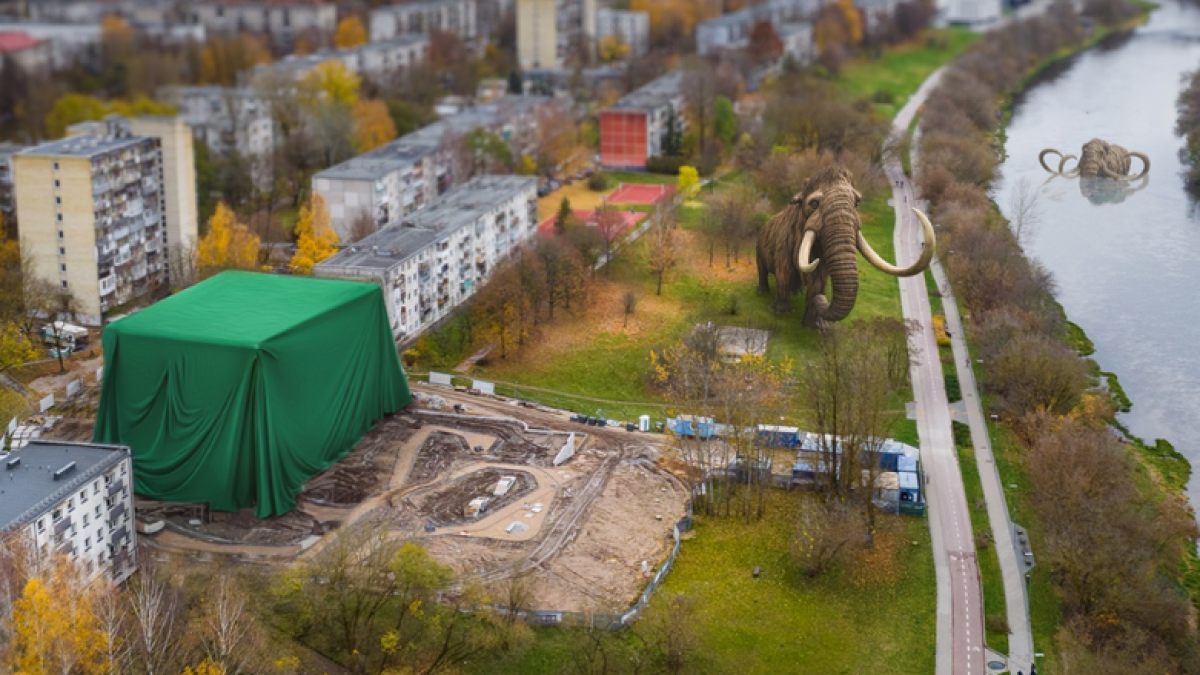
(783, 294)
(764, 274)
(815, 302)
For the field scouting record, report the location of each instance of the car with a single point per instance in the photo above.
(554, 185)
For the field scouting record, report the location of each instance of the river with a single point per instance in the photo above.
(1127, 267)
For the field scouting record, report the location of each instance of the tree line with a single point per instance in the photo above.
(1114, 545)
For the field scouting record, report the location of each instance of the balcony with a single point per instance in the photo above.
(108, 284)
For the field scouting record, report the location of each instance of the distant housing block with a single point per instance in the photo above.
(632, 129)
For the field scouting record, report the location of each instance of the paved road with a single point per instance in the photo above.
(1012, 566)
(960, 631)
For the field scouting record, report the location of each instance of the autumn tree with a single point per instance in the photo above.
(228, 244)
(669, 627)
(54, 626)
(688, 182)
(557, 137)
(737, 209)
(826, 530)
(839, 28)
(699, 93)
(224, 58)
(116, 38)
(610, 223)
(765, 46)
(315, 238)
(565, 216)
(628, 303)
(661, 249)
(331, 81)
(612, 48)
(350, 33)
(372, 125)
(156, 608)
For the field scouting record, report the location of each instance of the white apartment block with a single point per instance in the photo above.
(74, 499)
(101, 208)
(631, 28)
(374, 61)
(732, 31)
(419, 18)
(225, 119)
(436, 259)
(68, 43)
(281, 20)
(973, 12)
(549, 32)
(409, 173)
(799, 42)
(8, 196)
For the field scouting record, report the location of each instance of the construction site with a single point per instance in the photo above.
(487, 486)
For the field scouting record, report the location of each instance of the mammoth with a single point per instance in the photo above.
(1100, 159)
(816, 239)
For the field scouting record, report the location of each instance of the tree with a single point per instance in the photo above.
(15, 347)
(61, 309)
(628, 303)
(71, 109)
(1035, 372)
(315, 237)
(223, 59)
(765, 46)
(116, 38)
(226, 624)
(491, 153)
(612, 48)
(557, 137)
(406, 116)
(699, 94)
(669, 625)
(661, 253)
(672, 139)
(725, 121)
(565, 216)
(589, 243)
(1025, 212)
(526, 166)
(689, 180)
(331, 82)
(839, 27)
(54, 627)
(737, 209)
(826, 530)
(373, 126)
(350, 33)
(156, 611)
(610, 223)
(228, 244)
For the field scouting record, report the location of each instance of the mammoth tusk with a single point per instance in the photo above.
(1145, 162)
(1042, 159)
(1068, 174)
(806, 251)
(912, 270)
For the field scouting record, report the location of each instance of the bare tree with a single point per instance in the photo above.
(669, 624)
(113, 621)
(737, 208)
(661, 251)
(363, 225)
(825, 531)
(61, 311)
(629, 303)
(1025, 211)
(610, 223)
(226, 623)
(155, 611)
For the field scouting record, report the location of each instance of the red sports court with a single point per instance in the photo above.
(546, 227)
(640, 194)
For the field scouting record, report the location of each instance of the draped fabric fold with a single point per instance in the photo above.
(236, 391)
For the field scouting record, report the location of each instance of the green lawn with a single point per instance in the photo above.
(785, 623)
(641, 177)
(899, 72)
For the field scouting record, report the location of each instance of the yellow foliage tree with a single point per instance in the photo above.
(350, 33)
(525, 166)
(228, 244)
(224, 58)
(333, 80)
(75, 108)
(373, 126)
(689, 178)
(612, 48)
(116, 36)
(54, 627)
(205, 667)
(315, 238)
(840, 25)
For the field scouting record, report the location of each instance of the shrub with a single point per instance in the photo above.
(599, 182)
(668, 166)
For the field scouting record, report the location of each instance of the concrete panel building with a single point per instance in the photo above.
(432, 261)
(419, 18)
(373, 61)
(732, 31)
(227, 119)
(68, 43)
(631, 28)
(632, 129)
(549, 32)
(102, 207)
(74, 499)
(281, 20)
(8, 195)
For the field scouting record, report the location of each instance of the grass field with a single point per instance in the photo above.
(875, 615)
(899, 72)
(593, 353)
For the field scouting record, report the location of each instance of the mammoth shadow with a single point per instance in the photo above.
(1103, 170)
(815, 242)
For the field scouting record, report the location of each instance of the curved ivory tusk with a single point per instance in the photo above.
(1042, 159)
(912, 270)
(1145, 162)
(806, 251)
(1068, 174)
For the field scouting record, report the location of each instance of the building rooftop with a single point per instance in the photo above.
(652, 95)
(416, 6)
(86, 145)
(28, 487)
(8, 149)
(459, 208)
(15, 42)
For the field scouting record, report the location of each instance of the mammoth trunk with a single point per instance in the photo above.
(839, 235)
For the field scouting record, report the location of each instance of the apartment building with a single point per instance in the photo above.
(432, 261)
(631, 28)
(227, 119)
(8, 196)
(551, 32)
(632, 129)
(67, 43)
(409, 173)
(282, 20)
(799, 42)
(419, 18)
(373, 61)
(732, 31)
(102, 207)
(74, 499)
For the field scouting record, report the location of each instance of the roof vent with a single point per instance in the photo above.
(12, 463)
(68, 468)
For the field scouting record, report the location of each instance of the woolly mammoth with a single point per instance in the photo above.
(815, 240)
(1103, 191)
(1100, 159)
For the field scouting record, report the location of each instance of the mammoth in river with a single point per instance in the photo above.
(816, 238)
(1100, 159)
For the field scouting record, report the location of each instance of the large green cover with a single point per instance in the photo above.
(237, 390)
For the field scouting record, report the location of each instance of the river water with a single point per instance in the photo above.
(1127, 263)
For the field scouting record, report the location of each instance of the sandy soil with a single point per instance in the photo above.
(78, 370)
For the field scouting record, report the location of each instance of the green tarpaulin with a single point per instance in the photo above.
(237, 390)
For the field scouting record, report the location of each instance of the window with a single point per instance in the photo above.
(83, 496)
(56, 166)
(41, 526)
(60, 235)
(62, 267)
(64, 285)
(56, 183)
(86, 520)
(87, 544)
(98, 513)
(71, 505)
(62, 250)
(58, 216)
(58, 514)
(96, 488)
(57, 199)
